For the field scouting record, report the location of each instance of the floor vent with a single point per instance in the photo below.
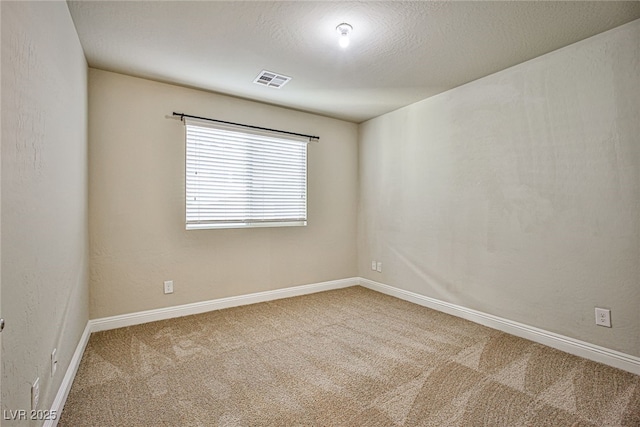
(271, 79)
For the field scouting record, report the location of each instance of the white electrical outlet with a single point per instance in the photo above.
(603, 317)
(379, 267)
(373, 265)
(168, 286)
(54, 361)
(35, 394)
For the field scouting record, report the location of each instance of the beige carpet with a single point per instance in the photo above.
(350, 357)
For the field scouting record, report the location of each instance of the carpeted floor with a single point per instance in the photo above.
(349, 357)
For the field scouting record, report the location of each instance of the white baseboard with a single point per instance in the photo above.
(140, 317)
(131, 319)
(69, 376)
(570, 345)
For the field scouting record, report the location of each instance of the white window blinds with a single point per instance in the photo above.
(243, 177)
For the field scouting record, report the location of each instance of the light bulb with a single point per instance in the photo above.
(344, 29)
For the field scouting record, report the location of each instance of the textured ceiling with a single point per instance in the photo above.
(400, 52)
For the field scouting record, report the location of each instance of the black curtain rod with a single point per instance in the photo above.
(182, 116)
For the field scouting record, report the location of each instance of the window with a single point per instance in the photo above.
(242, 177)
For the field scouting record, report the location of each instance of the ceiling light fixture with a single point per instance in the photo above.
(344, 30)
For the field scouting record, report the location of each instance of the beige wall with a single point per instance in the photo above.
(44, 198)
(138, 238)
(518, 194)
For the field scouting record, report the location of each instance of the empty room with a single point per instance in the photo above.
(320, 213)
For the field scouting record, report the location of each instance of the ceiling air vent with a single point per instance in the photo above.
(270, 79)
